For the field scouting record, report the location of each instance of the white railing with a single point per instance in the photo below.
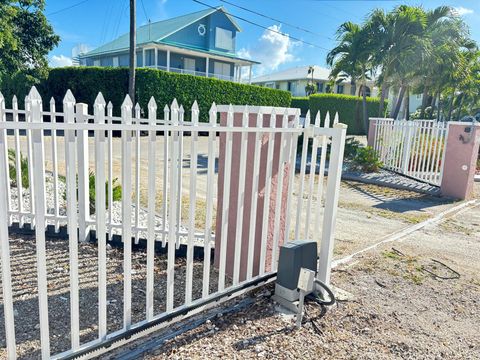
(413, 148)
(192, 72)
(172, 195)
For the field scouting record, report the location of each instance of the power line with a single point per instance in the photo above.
(67, 8)
(144, 11)
(264, 27)
(270, 18)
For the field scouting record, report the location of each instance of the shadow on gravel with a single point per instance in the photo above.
(398, 200)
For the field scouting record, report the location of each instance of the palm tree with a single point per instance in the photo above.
(447, 37)
(352, 58)
(398, 36)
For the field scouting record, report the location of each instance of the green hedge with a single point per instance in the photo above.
(302, 103)
(86, 82)
(349, 109)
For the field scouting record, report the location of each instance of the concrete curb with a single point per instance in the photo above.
(398, 235)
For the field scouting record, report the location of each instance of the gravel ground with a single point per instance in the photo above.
(23, 265)
(398, 312)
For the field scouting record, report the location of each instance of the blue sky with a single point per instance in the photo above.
(94, 22)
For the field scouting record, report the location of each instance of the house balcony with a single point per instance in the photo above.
(195, 72)
(195, 62)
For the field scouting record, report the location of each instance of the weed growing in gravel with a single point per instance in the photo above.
(413, 271)
(391, 255)
(12, 155)
(117, 190)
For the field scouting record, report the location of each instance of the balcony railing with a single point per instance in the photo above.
(192, 72)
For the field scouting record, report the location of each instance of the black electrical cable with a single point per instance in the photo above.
(319, 301)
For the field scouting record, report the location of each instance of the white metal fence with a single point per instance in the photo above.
(173, 181)
(413, 148)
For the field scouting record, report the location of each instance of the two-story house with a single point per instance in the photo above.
(201, 43)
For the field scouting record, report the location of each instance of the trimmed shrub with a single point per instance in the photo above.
(86, 82)
(367, 160)
(302, 103)
(349, 109)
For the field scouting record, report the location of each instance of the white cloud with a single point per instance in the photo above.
(460, 10)
(80, 49)
(60, 60)
(272, 50)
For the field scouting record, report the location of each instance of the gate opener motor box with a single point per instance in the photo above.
(293, 256)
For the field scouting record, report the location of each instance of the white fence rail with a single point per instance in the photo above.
(413, 148)
(170, 189)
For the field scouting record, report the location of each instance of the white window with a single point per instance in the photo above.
(115, 61)
(189, 65)
(223, 39)
(270, 85)
(222, 69)
(96, 62)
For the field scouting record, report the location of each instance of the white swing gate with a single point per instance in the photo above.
(413, 148)
(46, 210)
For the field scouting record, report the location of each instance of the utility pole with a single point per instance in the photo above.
(133, 45)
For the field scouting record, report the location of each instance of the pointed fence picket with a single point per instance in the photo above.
(272, 197)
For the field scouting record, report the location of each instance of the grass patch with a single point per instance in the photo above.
(452, 226)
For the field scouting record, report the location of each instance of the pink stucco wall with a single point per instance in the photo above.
(460, 161)
(234, 192)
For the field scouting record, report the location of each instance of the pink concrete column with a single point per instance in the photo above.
(372, 124)
(234, 194)
(460, 160)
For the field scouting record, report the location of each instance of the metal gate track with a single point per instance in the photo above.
(181, 313)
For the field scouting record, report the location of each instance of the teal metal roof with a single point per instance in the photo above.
(155, 32)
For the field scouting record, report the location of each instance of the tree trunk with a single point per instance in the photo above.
(131, 74)
(381, 105)
(406, 105)
(460, 107)
(398, 103)
(439, 108)
(433, 102)
(357, 109)
(424, 101)
(450, 106)
(365, 110)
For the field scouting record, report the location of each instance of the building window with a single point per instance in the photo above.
(222, 69)
(292, 86)
(96, 62)
(319, 87)
(223, 39)
(150, 57)
(270, 85)
(340, 89)
(189, 65)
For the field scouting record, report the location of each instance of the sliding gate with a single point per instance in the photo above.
(124, 217)
(413, 148)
